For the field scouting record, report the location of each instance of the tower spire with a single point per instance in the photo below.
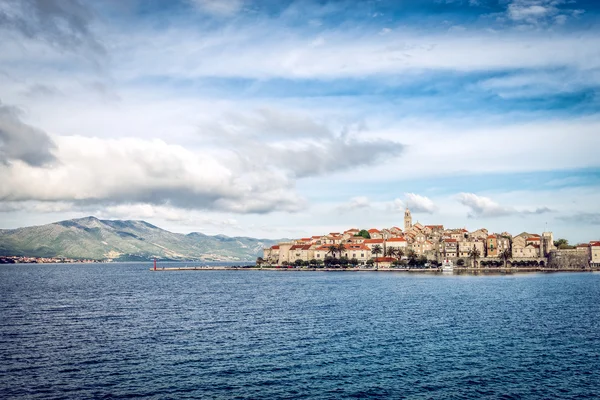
(407, 220)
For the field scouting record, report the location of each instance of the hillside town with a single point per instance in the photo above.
(430, 245)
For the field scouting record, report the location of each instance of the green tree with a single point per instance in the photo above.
(370, 262)
(313, 262)
(364, 233)
(561, 243)
(354, 262)
(340, 249)
(460, 262)
(505, 255)
(399, 254)
(412, 258)
(391, 251)
(332, 250)
(344, 262)
(260, 261)
(298, 262)
(329, 261)
(474, 254)
(376, 250)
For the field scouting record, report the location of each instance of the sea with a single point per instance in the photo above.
(119, 330)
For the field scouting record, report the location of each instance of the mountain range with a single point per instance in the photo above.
(92, 238)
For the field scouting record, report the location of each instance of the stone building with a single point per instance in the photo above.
(595, 254)
(407, 220)
(491, 246)
(450, 248)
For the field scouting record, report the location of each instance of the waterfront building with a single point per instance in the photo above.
(432, 241)
(491, 246)
(524, 248)
(301, 252)
(450, 248)
(465, 246)
(370, 243)
(503, 242)
(398, 243)
(321, 252)
(595, 254)
(358, 251)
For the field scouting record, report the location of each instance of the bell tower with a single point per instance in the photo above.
(407, 220)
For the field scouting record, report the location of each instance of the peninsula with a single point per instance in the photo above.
(417, 245)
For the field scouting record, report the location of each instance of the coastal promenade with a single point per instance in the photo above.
(456, 271)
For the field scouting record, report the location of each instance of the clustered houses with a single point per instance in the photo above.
(433, 242)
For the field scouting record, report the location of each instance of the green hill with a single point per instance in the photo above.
(91, 238)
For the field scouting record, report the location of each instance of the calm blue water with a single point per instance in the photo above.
(121, 331)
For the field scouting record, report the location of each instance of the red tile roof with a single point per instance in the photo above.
(533, 239)
(300, 247)
(373, 241)
(385, 259)
(373, 230)
(396, 240)
(275, 247)
(357, 247)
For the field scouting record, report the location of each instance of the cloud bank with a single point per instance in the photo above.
(19, 141)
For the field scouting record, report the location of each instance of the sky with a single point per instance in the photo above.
(283, 119)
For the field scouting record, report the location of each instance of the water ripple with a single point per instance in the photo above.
(120, 331)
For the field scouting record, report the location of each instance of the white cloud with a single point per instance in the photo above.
(97, 171)
(483, 207)
(355, 203)
(416, 203)
(224, 8)
(420, 204)
(19, 141)
(252, 52)
(536, 12)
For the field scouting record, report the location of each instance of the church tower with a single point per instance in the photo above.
(407, 220)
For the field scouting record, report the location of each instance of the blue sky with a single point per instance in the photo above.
(285, 119)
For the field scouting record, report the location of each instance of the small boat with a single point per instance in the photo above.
(447, 266)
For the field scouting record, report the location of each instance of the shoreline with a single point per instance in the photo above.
(456, 271)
